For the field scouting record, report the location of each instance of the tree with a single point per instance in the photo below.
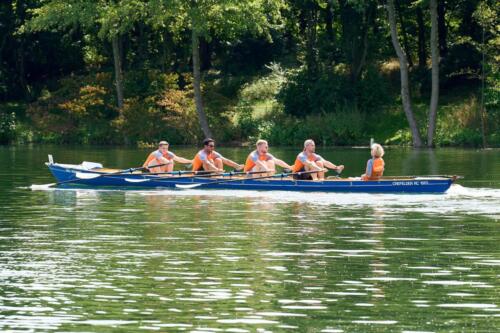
(405, 85)
(435, 73)
(356, 18)
(422, 49)
(224, 19)
(486, 15)
(109, 19)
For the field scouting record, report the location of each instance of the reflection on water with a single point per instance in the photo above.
(228, 261)
(175, 260)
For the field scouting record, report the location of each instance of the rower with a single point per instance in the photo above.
(260, 161)
(308, 160)
(208, 159)
(163, 157)
(375, 166)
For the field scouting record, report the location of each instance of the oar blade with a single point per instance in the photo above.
(188, 186)
(41, 187)
(86, 175)
(136, 180)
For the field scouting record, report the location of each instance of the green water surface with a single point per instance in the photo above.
(81, 260)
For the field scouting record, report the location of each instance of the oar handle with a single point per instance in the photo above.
(264, 177)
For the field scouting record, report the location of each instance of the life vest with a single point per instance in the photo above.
(377, 169)
(250, 163)
(201, 156)
(299, 165)
(153, 156)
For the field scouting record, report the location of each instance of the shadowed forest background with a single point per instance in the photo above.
(135, 72)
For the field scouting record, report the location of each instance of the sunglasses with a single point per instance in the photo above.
(210, 145)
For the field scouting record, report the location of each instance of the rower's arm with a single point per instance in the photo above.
(233, 164)
(182, 160)
(282, 164)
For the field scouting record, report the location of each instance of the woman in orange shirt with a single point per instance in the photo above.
(375, 166)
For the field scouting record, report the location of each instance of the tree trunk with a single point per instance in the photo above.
(355, 30)
(422, 49)
(118, 70)
(403, 64)
(329, 21)
(142, 41)
(205, 55)
(406, 44)
(311, 57)
(362, 59)
(442, 31)
(435, 73)
(21, 66)
(20, 50)
(481, 110)
(195, 43)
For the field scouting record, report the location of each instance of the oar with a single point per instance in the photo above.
(158, 179)
(177, 173)
(90, 175)
(190, 186)
(205, 174)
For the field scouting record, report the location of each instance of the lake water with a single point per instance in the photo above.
(78, 260)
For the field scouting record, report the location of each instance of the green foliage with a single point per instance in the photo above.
(246, 123)
(7, 127)
(111, 18)
(265, 87)
(81, 110)
(302, 95)
(78, 111)
(169, 116)
(486, 15)
(401, 137)
(340, 128)
(56, 56)
(460, 123)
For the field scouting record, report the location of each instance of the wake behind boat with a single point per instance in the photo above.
(91, 174)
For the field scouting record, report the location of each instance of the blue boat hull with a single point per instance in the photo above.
(67, 176)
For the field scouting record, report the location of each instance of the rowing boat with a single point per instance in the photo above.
(90, 174)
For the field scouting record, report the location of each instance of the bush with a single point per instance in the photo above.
(7, 127)
(170, 116)
(83, 110)
(247, 125)
(338, 128)
(303, 94)
(79, 111)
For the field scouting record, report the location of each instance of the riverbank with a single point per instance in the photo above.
(80, 110)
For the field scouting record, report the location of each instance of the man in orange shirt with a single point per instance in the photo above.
(308, 160)
(208, 159)
(261, 161)
(165, 157)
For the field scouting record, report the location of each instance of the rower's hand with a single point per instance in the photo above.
(339, 168)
